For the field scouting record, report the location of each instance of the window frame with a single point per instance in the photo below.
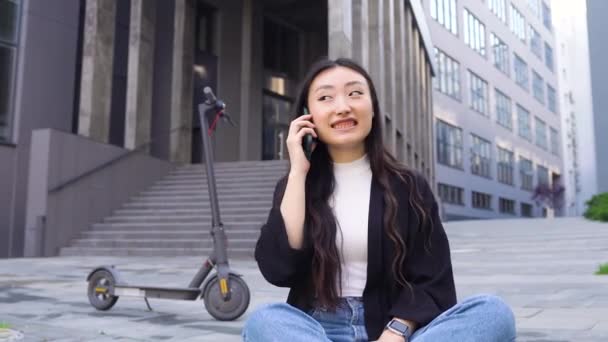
(479, 96)
(521, 71)
(452, 25)
(505, 166)
(474, 32)
(500, 54)
(481, 156)
(13, 45)
(454, 133)
(503, 120)
(522, 110)
(526, 175)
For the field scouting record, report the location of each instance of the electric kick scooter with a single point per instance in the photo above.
(225, 293)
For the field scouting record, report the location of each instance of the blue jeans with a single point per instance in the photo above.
(482, 318)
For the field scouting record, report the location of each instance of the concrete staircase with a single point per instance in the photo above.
(173, 216)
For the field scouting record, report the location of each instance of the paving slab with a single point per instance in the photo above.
(543, 268)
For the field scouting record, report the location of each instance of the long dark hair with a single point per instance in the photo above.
(320, 223)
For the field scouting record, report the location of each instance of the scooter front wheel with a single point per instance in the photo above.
(101, 287)
(234, 307)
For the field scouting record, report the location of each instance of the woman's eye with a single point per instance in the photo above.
(356, 92)
(324, 98)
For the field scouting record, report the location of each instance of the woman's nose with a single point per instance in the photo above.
(342, 106)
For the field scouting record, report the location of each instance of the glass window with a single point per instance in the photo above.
(534, 7)
(554, 141)
(9, 17)
(526, 210)
(451, 194)
(503, 110)
(517, 23)
(444, 12)
(9, 11)
(547, 16)
(543, 175)
(538, 87)
(551, 101)
(521, 72)
(500, 51)
(447, 79)
(499, 7)
(474, 33)
(526, 173)
(505, 166)
(479, 94)
(481, 200)
(536, 44)
(449, 145)
(506, 206)
(548, 56)
(481, 156)
(523, 123)
(541, 133)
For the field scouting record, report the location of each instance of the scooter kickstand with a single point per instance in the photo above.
(148, 304)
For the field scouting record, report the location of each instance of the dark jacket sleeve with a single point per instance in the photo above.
(428, 270)
(280, 264)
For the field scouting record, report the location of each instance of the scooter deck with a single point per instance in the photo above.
(157, 292)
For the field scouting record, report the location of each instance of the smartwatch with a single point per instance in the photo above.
(399, 328)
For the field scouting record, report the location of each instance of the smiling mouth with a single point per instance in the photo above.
(345, 124)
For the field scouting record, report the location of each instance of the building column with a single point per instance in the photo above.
(361, 32)
(246, 75)
(97, 64)
(182, 82)
(340, 28)
(138, 116)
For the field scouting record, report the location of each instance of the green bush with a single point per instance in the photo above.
(598, 208)
(602, 269)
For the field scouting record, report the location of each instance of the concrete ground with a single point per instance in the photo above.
(542, 268)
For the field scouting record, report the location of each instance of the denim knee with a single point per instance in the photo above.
(261, 321)
(499, 315)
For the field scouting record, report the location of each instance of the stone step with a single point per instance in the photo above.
(193, 190)
(233, 217)
(259, 198)
(176, 234)
(228, 188)
(224, 205)
(219, 184)
(223, 176)
(255, 164)
(159, 243)
(233, 253)
(200, 210)
(200, 226)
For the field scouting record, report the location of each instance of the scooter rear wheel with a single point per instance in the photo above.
(231, 309)
(101, 287)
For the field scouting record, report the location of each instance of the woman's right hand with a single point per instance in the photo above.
(297, 129)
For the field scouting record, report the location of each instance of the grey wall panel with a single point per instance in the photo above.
(45, 85)
(72, 209)
(7, 176)
(598, 55)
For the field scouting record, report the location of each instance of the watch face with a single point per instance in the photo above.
(401, 327)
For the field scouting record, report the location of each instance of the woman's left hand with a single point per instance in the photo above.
(388, 336)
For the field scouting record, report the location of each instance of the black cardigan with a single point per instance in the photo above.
(430, 274)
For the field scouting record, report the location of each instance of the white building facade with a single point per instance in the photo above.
(496, 106)
(580, 176)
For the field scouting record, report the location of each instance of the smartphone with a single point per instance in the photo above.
(307, 141)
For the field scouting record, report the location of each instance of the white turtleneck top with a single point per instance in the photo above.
(350, 204)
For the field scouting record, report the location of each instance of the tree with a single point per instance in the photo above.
(551, 196)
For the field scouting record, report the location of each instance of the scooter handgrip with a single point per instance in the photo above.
(209, 94)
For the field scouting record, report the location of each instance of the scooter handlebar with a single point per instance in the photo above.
(209, 94)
